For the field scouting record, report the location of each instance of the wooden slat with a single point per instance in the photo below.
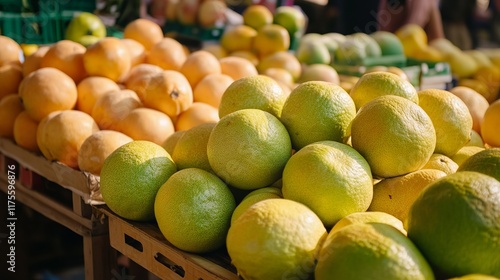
(99, 258)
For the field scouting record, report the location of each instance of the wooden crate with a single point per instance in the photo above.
(144, 244)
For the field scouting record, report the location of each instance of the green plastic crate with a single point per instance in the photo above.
(11, 6)
(31, 28)
(55, 6)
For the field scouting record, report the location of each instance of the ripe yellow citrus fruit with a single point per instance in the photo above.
(369, 217)
(248, 55)
(237, 67)
(284, 60)
(316, 111)
(171, 141)
(257, 16)
(475, 102)
(191, 148)
(136, 51)
(90, 89)
(464, 153)
(255, 92)
(66, 56)
(47, 90)
(211, 88)
(249, 148)
(10, 108)
(144, 31)
(455, 222)
(11, 51)
(109, 58)
(254, 197)
(215, 49)
(441, 162)
(32, 62)
(413, 38)
(475, 139)
(168, 54)
(474, 276)
(451, 119)
(280, 75)
(262, 244)
(329, 177)
(132, 175)
(365, 251)
(193, 209)
(490, 75)
(139, 76)
(198, 113)
(374, 84)
(490, 125)
(396, 195)
(271, 38)
(10, 78)
(113, 106)
(237, 38)
(319, 72)
(25, 132)
(486, 162)
(199, 64)
(146, 124)
(394, 134)
(97, 147)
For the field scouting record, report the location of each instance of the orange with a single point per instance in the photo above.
(169, 92)
(146, 124)
(280, 75)
(316, 111)
(90, 89)
(455, 223)
(198, 113)
(249, 148)
(72, 127)
(144, 31)
(237, 67)
(97, 147)
(11, 76)
(32, 62)
(490, 125)
(271, 38)
(345, 178)
(394, 135)
(47, 90)
(216, 49)
(25, 132)
(66, 56)
(237, 38)
(193, 210)
(139, 76)
(109, 58)
(262, 244)
(475, 102)
(113, 106)
(284, 60)
(191, 148)
(132, 175)
(10, 108)
(248, 55)
(136, 50)
(11, 51)
(199, 64)
(168, 54)
(211, 88)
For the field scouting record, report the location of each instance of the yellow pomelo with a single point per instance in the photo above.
(317, 111)
(211, 88)
(253, 92)
(249, 148)
(191, 148)
(313, 52)
(248, 55)
(280, 75)
(451, 119)
(375, 84)
(275, 239)
(284, 60)
(394, 134)
(369, 217)
(271, 38)
(474, 276)
(193, 209)
(171, 141)
(329, 177)
(97, 147)
(254, 197)
(396, 195)
(370, 251)
(441, 162)
(490, 125)
(413, 38)
(464, 153)
(257, 16)
(455, 222)
(319, 72)
(462, 65)
(490, 75)
(132, 175)
(486, 162)
(475, 139)
(293, 19)
(481, 58)
(237, 38)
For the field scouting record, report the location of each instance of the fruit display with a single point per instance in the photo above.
(269, 155)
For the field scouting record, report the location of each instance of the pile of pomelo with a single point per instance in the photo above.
(309, 181)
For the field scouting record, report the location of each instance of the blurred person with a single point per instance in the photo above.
(393, 14)
(129, 10)
(457, 16)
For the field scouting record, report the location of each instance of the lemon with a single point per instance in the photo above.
(455, 222)
(131, 176)
(413, 38)
(369, 217)
(451, 119)
(331, 178)
(171, 141)
(370, 251)
(284, 60)
(441, 162)
(316, 111)
(191, 148)
(270, 39)
(374, 84)
(193, 209)
(464, 153)
(275, 239)
(396, 195)
(253, 92)
(249, 148)
(238, 38)
(254, 197)
(257, 16)
(394, 135)
(486, 162)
